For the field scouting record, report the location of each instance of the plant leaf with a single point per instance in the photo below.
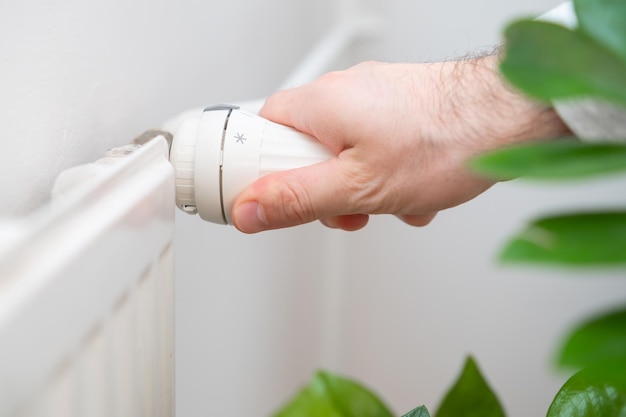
(599, 342)
(420, 411)
(605, 21)
(329, 395)
(551, 62)
(575, 239)
(470, 396)
(553, 160)
(585, 396)
(308, 403)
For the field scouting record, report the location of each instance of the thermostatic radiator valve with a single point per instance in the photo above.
(221, 151)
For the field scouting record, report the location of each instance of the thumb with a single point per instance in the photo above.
(293, 197)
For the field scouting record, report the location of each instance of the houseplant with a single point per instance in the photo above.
(548, 62)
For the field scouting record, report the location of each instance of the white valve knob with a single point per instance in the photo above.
(222, 151)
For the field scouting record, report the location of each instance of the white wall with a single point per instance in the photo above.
(394, 306)
(78, 77)
(417, 301)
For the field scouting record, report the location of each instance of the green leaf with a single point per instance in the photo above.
(553, 160)
(551, 62)
(585, 396)
(575, 239)
(599, 342)
(605, 21)
(470, 396)
(329, 395)
(420, 411)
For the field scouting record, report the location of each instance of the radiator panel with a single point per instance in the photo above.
(86, 295)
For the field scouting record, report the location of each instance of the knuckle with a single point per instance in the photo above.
(331, 76)
(328, 82)
(367, 64)
(273, 100)
(374, 186)
(294, 205)
(366, 190)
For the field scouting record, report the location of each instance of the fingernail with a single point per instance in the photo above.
(250, 217)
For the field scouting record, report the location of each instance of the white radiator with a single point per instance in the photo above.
(86, 282)
(86, 294)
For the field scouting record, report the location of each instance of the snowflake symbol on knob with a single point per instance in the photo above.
(240, 138)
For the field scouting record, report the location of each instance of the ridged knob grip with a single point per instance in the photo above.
(218, 154)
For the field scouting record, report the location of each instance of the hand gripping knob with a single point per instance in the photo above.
(221, 151)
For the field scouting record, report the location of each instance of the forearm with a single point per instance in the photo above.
(491, 112)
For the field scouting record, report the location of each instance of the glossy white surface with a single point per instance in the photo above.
(86, 295)
(217, 155)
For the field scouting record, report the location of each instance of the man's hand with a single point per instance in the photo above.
(402, 133)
